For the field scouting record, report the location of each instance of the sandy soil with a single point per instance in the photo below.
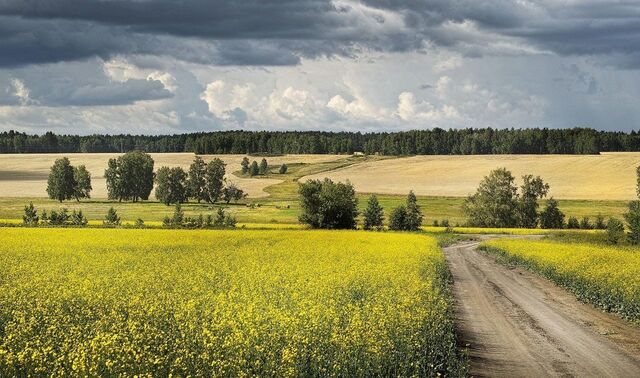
(517, 324)
(609, 176)
(25, 175)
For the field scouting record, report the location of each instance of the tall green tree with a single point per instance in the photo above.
(495, 202)
(398, 218)
(413, 220)
(82, 177)
(551, 216)
(254, 170)
(632, 216)
(373, 214)
(532, 189)
(245, 165)
(197, 180)
(214, 179)
(130, 177)
(330, 205)
(171, 185)
(264, 167)
(61, 183)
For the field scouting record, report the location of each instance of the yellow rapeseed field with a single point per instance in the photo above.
(123, 302)
(608, 277)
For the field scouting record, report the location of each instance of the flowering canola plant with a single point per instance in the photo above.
(105, 302)
(606, 276)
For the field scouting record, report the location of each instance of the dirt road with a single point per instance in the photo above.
(518, 324)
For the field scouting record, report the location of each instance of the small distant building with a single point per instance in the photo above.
(358, 153)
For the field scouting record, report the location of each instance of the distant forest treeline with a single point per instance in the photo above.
(418, 142)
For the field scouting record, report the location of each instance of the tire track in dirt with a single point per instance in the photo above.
(517, 324)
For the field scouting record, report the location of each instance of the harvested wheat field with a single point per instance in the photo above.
(609, 176)
(25, 175)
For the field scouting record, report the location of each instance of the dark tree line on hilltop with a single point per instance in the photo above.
(418, 142)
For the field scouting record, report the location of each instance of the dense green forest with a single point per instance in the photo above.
(419, 142)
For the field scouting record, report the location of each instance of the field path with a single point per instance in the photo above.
(518, 324)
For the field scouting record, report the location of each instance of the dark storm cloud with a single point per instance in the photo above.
(282, 32)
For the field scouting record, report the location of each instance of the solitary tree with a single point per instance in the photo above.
(171, 185)
(326, 204)
(197, 180)
(633, 215)
(633, 222)
(532, 189)
(61, 183)
(615, 230)
(130, 176)
(245, 165)
(82, 178)
(283, 169)
(413, 220)
(551, 216)
(495, 202)
(214, 176)
(373, 214)
(253, 169)
(264, 167)
(398, 218)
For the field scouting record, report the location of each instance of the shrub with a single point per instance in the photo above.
(585, 223)
(60, 218)
(78, 219)
(573, 223)
(615, 230)
(112, 218)
(139, 223)
(283, 169)
(30, 217)
(445, 223)
(600, 223)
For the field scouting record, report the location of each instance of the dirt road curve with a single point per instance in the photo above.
(517, 324)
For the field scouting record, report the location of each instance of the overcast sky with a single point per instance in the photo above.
(171, 66)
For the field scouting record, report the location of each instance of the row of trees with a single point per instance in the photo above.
(255, 169)
(418, 142)
(204, 182)
(334, 205)
(130, 177)
(112, 219)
